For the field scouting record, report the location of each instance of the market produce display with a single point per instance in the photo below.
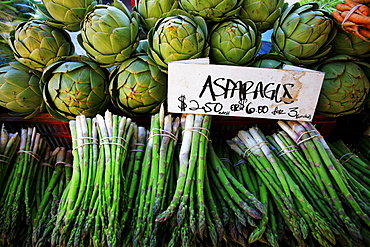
(229, 33)
(137, 175)
(173, 184)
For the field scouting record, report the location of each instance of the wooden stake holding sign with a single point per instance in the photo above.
(195, 86)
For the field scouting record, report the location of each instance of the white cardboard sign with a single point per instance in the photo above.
(197, 87)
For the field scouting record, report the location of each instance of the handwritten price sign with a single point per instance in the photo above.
(195, 86)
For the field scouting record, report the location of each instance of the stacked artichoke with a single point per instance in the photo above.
(177, 37)
(109, 34)
(138, 86)
(37, 45)
(345, 86)
(66, 14)
(20, 90)
(234, 42)
(303, 34)
(12, 12)
(128, 52)
(73, 87)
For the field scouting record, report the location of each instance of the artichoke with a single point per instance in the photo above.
(75, 86)
(234, 42)
(109, 34)
(263, 13)
(212, 10)
(20, 90)
(351, 45)
(37, 45)
(66, 14)
(303, 34)
(12, 12)
(270, 61)
(177, 37)
(344, 88)
(138, 86)
(151, 10)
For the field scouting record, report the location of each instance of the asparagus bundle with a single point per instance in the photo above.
(50, 193)
(265, 230)
(18, 191)
(331, 177)
(297, 210)
(8, 146)
(356, 170)
(230, 190)
(188, 201)
(90, 209)
(156, 171)
(132, 171)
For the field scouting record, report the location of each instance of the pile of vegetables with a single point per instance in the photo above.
(174, 183)
(33, 178)
(353, 17)
(112, 38)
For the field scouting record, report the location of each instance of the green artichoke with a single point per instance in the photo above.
(177, 37)
(75, 86)
(234, 42)
(12, 12)
(20, 90)
(66, 14)
(344, 88)
(303, 34)
(270, 61)
(138, 86)
(37, 45)
(151, 10)
(263, 13)
(212, 10)
(351, 45)
(109, 34)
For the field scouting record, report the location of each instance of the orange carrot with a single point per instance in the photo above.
(345, 7)
(362, 8)
(336, 15)
(365, 33)
(361, 1)
(342, 7)
(356, 18)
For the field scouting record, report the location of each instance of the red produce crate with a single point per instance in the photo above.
(57, 133)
